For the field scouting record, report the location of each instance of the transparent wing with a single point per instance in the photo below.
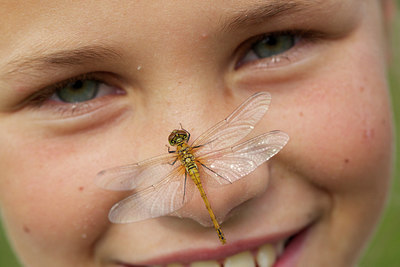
(236, 126)
(230, 164)
(168, 195)
(138, 175)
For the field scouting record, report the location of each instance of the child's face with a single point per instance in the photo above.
(155, 64)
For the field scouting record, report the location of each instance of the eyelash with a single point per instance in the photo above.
(42, 99)
(38, 98)
(301, 38)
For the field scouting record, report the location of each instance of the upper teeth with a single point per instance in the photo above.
(265, 256)
(241, 259)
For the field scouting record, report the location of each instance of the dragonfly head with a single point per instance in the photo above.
(178, 137)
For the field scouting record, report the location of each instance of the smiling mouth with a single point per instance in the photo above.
(283, 252)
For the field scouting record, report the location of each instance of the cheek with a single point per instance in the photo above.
(48, 197)
(341, 136)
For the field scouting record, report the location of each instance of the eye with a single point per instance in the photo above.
(77, 91)
(273, 46)
(81, 90)
(75, 96)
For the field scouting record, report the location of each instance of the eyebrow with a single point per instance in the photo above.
(266, 10)
(42, 61)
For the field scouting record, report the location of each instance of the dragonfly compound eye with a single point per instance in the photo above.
(177, 137)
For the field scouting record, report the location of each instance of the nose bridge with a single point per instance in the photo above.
(193, 103)
(182, 76)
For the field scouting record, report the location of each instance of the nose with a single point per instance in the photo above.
(205, 195)
(223, 199)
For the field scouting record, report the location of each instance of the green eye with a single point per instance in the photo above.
(78, 91)
(273, 44)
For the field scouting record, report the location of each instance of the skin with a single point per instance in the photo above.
(329, 93)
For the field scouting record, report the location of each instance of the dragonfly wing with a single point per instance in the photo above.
(139, 175)
(230, 164)
(236, 126)
(168, 195)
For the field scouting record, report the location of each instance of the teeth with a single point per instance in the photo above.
(205, 264)
(266, 256)
(240, 260)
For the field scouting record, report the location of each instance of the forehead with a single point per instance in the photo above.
(94, 20)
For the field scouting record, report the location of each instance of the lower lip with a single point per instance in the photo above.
(291, 254)
(289, 258)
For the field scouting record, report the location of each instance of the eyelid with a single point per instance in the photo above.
(303, 38)
(41, 99)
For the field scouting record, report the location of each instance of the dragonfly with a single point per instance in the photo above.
(160, 184)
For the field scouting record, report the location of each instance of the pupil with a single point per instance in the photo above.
(271, 40)
(77, 85)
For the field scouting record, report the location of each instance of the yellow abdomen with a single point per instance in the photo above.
(188, 160)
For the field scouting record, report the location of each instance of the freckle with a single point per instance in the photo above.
(362, 89)
(346, 161)
(301, 114)
(81, 188)
(26, 229)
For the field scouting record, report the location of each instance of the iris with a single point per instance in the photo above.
(78, 91)
(273, 44)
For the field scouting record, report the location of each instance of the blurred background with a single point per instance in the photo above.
(385, 247)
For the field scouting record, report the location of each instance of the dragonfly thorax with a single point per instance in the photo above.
(178, 137)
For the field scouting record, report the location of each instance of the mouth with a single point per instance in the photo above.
(273, 252)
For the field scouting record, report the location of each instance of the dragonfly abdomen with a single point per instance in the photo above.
(195, 175)
(187, 159)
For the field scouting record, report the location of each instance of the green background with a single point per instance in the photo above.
(385, 247)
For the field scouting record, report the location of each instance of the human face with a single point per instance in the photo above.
(146, 66)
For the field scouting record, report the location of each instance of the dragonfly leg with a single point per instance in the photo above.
(217, 174)
(172, 163)
(170, 151)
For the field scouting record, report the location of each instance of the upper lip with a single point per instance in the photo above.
(219, 252)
